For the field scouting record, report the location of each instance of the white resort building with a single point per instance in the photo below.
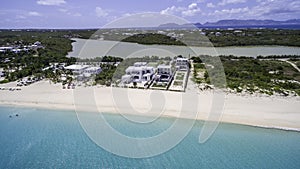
(2, 74)
(84, 71)
(140, 72)
(164, 73)
(77, 69)
(182, 64)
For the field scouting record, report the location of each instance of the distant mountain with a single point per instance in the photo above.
(175, 25)
(235, 23)
(169, 25)
(252, 22)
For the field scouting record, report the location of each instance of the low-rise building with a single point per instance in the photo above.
(77, 69)
(93, 70)
(83, 72)
(164, 69)
(182, 64)
(2, 72)
(164, 73)
(140, 72)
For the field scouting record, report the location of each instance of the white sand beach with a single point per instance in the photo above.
(273, 112)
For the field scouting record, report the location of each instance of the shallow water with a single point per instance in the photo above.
(54, 139)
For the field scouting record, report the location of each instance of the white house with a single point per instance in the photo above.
(93, 70)
(164, 69)
(126, 79)
(182, 64)
(164, 73)
(138, 73)
(139, 64)
(77, 69)
(1, 72)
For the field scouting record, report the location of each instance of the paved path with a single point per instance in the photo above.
(295, 66)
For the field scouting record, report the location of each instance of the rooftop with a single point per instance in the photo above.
(164, 66)
(76, 67)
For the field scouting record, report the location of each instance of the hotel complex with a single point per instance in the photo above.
(172, 76)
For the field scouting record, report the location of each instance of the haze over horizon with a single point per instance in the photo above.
(96, 13)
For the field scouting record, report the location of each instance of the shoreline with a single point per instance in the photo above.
(265, 112)
(7, 105)
(234, 46)
(85, 48)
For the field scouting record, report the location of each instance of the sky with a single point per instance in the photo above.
(97, 13)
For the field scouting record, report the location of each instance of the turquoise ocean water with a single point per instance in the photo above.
(54, 139)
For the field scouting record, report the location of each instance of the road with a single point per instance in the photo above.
(295, 66)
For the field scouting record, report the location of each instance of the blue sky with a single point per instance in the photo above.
(96, 13)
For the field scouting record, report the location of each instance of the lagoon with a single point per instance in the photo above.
(83, 48)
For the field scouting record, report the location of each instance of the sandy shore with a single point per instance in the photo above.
(273, 112)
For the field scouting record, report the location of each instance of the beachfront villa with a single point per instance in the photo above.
(83, 71)
(1, 72)
(164, 73)
(93, 70)
(2, 75)
(139, 72)
(77, 69)
(182, 64)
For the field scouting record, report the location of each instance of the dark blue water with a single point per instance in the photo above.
(54, 139)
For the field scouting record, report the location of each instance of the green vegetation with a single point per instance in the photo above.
(153, 38)
(108, 70)
(296, 61)
(110, 59)
(262, 75)
(248, 37)
(218, 38)
(180, 76)
(106, 76)
(199, 69)
(178, 83)
(32, 62)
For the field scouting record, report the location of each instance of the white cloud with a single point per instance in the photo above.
(225, 2)
(193, 6)
(68, 12)
(63, 10)
(171, 10)
(20, 17)
(101, 12)
(33, 13)
(264, 9)
(77, 14)
(279, 8)
(225, 12)
(51, 2)
(191, 10)
(210, 5)
(126, 14)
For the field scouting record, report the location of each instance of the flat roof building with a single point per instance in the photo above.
(77, 69)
